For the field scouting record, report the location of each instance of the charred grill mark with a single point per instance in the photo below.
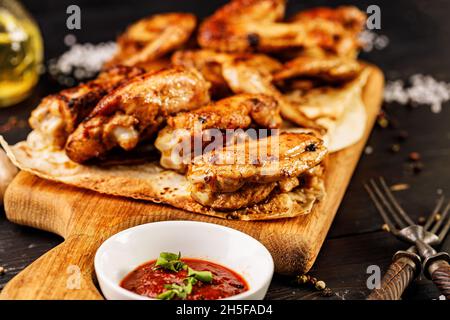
(311, 147)
(253, 40)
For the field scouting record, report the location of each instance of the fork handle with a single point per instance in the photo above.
(437, 268)
(402, 271)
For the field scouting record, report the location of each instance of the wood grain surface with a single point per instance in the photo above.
(85, 219)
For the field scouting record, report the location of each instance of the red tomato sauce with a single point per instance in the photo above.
(149, 281)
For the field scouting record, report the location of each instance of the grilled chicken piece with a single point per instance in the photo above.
(234, 27)
(243, 73)
(236, 112)
(263, 161)
(337, 29)
(59, 114)
(328, 69)
(252, 169)
(242, 78)
(135, 111)
(209, 63)
(248, 195)
(349, 17)
(252, 25)
(153, 37)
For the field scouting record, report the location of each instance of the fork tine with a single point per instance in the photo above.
(432, 217)
(395, 202)
(444, 217)
(386, 203)
(380, 208)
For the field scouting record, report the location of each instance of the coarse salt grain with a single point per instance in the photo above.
(424, 90)
(368, 150)
(83, 60)
(371, 40)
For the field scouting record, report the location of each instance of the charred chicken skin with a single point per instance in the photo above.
(152, 38)
(135, 111)
(334, 29)
(253, 25)
(236, 112)
(261, 165)
(59, 114)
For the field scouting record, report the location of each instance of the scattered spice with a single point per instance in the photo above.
(402, 135)
(421, 220)
(399, 187)
(319, 285)
(417, 166)
(394, 148)
(414, 156)
(382, 120)
(368, 150)
(12, 123)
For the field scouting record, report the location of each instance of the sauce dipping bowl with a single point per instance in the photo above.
(130, 248)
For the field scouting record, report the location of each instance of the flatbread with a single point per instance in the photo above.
(149, 181)
(340, 110)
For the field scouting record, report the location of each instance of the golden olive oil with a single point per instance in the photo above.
(20, 53)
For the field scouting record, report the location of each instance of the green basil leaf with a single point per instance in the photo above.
(203, 276)
(166, 295)
(170, 261)
(189, 283)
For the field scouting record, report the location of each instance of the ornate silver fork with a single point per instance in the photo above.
(407, 265)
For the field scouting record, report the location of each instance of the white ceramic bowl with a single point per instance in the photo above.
(128, 249)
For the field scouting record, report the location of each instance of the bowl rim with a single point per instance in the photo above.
(101, 277)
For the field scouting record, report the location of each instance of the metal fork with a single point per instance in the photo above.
(406, 265)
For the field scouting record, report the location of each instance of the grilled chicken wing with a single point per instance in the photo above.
(334, 29)
(209, 63)
(252, 25)
(134, 111)
(153, 37)
(329, 69)
(243, 73)
(234, 26)
(59, 114)
(243, 78)
(266, 162)
(236, 112)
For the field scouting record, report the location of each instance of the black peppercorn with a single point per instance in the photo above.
(311, 147)
(253, 40)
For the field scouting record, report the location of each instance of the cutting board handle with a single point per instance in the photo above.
(65, 272)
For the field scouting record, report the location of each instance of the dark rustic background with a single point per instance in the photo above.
(419, 43)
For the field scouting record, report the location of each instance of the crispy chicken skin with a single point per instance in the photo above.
(59, 114)
(242, 73)
(233, 27)
(252, 25)
(152, 38)
(209, 63)
(350, 18)
(243, 78)
(329, 69)
(236, 112)
(335, 29)
(135, 111)
(275, 159)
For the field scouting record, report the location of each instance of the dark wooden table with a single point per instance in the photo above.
(419, 43)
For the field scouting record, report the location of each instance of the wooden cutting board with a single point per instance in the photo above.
(85, 219)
